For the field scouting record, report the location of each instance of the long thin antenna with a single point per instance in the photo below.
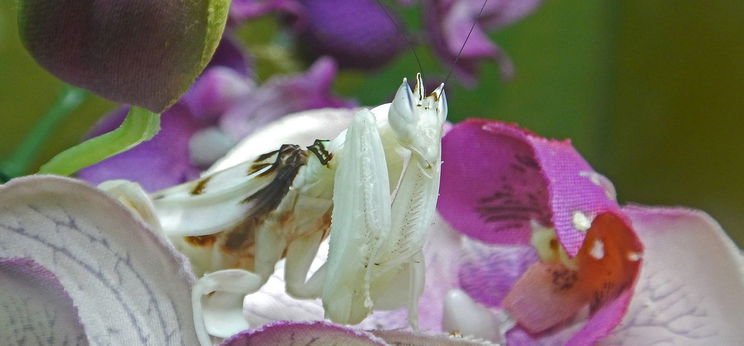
(464, 43)
(405, 35)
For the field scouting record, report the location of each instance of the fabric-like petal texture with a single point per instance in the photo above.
(499, 178)
(126, 281)
(691, 282)
(139, 52)
(37, 309)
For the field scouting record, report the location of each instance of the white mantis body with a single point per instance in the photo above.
(374, 188)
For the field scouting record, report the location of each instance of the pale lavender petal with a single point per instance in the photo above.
(448, 25)
(217, 90)
(127, 282)
(161, 162)
(691, 282)
(499, 178)
(284, 95)
(36, 309)
(304, 333)
(488, 272)
(356, 33)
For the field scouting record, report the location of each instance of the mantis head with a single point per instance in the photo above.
(417, 119)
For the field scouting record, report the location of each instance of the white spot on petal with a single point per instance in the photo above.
(581, 221)
(597, 250)
(601, 181)
(634, 256)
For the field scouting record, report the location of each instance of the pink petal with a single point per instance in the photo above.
(691, 284)
(127, 282)
(549, 294)
(498, 178)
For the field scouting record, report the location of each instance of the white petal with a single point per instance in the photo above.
(127, 282)
(691, 285)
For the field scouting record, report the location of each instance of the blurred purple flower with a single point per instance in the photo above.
(449, 22)
(220, 108)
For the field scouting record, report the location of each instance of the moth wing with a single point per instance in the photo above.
(213, 203)
(360, 220)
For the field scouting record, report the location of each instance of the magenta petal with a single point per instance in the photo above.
(303, 333)
(161, 162)
(37, 309)
(498, 178)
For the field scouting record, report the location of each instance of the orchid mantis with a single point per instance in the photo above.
(373, 188)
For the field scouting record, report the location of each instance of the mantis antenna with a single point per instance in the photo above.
(457, 57)
(405, 34)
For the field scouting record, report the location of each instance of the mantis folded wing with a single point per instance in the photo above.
(284, 203)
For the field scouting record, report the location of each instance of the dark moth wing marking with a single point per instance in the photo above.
(240, 239)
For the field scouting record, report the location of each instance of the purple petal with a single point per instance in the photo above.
(690, 285)
(218, 89)
(37, 309)
(499, 178)
(356, 33)
(139, 52)
(230, 54)
(161, 162)
(488, 272)
(281, 96)
(127, 282)
(451, 23)
(241, 10)
(303, 333)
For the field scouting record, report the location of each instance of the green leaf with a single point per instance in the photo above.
(139, 126)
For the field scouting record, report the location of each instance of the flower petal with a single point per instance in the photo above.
(136, 51)
(127, 282)
(281, 96)
(498, 179)
(549, 294)
(690, 285)
(37, 307)
(161, 162)
(300, 128)
(357, 34)
(304, 333)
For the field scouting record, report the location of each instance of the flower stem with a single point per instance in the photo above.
(139, 126)
(18, 164)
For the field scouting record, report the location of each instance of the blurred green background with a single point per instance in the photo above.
(650, 92)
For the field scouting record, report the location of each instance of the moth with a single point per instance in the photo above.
(372, 191)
